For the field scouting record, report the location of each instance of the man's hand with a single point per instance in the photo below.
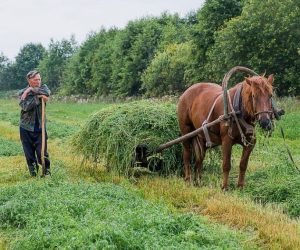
(25, 94)
(45, 98)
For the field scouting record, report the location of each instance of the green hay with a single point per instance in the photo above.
(113, 134)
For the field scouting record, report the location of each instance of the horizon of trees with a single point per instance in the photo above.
(156, 56)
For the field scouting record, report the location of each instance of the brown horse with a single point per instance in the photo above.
(204, 102)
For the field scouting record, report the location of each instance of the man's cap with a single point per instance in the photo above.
(32, 73)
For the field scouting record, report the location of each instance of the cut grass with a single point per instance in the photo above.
(9, 148)
(114, 134)
(81, 215)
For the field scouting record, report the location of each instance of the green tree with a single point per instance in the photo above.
(211, 18)
(55, 60)
(134, 49)
(77, 75)
(168, 72)
(27, 59)
(102, 64)
(265, 38)
(4, 62)
(136, 45)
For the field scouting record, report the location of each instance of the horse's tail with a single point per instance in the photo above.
(198, 147)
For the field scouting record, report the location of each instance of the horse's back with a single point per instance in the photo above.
(194, 104)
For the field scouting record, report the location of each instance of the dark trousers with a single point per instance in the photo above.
(32, 146)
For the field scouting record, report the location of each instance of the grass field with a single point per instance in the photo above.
(84, 207)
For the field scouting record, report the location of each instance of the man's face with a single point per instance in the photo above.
(35, 81)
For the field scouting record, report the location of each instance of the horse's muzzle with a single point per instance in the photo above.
(265, 123)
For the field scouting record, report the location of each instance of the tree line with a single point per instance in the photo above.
(155, 56)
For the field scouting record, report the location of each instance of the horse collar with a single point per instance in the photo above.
(237, 100)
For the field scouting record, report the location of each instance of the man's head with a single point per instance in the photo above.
(34, 78)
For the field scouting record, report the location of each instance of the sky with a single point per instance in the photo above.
(38, 21)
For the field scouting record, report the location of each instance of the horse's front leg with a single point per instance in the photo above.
(243, 164)
(186, 161)
(226, 152)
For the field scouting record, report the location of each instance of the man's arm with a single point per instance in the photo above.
(43, 90)
(29, 102)
(29, 97)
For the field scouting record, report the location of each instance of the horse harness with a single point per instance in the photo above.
(237, 116)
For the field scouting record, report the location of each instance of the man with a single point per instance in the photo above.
(31, 122)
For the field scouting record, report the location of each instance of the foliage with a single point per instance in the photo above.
(55, 60)
(117, 63)
(27, 59)
(265, 38)
(113, 135)
(168, 72)
(4, 65)
(102, 66)
(210, 19)
(134, 48)
(77, 76)
(112, 62)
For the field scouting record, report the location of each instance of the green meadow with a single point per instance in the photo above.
(84, 206)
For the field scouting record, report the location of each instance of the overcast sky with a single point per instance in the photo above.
(37, 21)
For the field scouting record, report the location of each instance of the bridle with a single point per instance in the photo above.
(264, 111)
(270, 112)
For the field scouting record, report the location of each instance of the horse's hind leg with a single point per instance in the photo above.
(243, 165)
(199, 150)
(186, 161)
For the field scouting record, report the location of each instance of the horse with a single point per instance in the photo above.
(204, 102)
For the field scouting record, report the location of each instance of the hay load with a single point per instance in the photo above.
(123, 136)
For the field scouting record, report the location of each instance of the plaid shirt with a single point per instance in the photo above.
(31, 107)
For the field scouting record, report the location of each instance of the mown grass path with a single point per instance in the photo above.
(84, 207)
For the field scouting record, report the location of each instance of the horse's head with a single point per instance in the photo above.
(259, 99)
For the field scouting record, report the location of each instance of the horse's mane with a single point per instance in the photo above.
(254, 86)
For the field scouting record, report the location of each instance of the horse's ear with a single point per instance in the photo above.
(271, 79)
(248, 81)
